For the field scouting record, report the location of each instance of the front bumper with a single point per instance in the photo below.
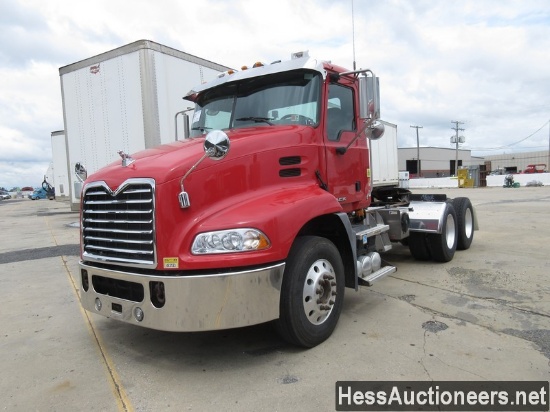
(192, 303)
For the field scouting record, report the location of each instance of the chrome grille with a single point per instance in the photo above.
(119, 227)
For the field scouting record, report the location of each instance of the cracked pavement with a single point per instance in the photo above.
(483, 316)
(501, 284)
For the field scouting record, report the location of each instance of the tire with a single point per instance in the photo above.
(312, 292)
(418, 245)
(443, 246)
(465, 222)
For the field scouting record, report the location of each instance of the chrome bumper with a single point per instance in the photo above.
(192, 303)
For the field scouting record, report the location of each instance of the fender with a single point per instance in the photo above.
(279, 213)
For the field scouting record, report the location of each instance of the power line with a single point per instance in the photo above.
(512, 144)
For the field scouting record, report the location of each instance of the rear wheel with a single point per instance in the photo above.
(312, 293)
(465, 222)
(443, 245)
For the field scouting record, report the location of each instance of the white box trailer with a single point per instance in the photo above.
(125, 99)
(384, 160)
(60, 168)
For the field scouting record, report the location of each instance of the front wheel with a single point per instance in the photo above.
(312, 293)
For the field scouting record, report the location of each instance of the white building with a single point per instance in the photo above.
(436, 161)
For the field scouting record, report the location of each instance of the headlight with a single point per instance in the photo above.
(228, 241)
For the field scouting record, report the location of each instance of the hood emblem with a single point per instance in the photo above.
(127, 160)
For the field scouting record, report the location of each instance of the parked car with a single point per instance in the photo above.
(4, 195)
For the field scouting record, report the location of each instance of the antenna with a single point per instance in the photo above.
(353, 32)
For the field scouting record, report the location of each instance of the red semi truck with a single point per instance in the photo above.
(266, 211)
(538, 168)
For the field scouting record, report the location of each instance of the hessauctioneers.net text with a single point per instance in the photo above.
(442, 396)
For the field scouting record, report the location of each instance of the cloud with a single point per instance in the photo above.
(481, 62)
(30, 103)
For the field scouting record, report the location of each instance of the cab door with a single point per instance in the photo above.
(346, 173)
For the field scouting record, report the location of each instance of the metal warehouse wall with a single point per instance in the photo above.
(518, 160)
(434, 160)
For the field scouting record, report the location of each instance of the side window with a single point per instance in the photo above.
(339, 111)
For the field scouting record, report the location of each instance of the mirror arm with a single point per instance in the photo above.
(342, 150)
(204, 156)
(219, 147)
(183, 197)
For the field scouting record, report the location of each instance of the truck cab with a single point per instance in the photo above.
(535, 168)
(40, 193)
(302, 110)
(263, 213)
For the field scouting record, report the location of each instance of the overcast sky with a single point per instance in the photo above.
(485, 63)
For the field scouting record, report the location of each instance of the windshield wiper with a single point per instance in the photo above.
(256, 119)
(201, 128)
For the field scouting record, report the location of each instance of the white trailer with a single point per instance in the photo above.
(125, 99)
(60, 172)
(384, 160)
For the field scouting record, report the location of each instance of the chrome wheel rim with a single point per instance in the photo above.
(450, 231)
(468, 223)
(319, 294)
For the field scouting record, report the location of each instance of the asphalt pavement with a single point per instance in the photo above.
(483, 316)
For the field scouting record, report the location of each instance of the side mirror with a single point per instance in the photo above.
(369, 97)
(377, 131)
(216, 145)
(80, 172)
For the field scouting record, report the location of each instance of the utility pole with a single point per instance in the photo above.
(417, 150)
(457, 140)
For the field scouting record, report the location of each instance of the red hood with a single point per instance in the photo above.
(171, 161)
(161, 163)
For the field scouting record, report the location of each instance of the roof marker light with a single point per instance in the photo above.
(228, 72)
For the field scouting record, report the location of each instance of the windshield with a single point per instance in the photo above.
(282, 98)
